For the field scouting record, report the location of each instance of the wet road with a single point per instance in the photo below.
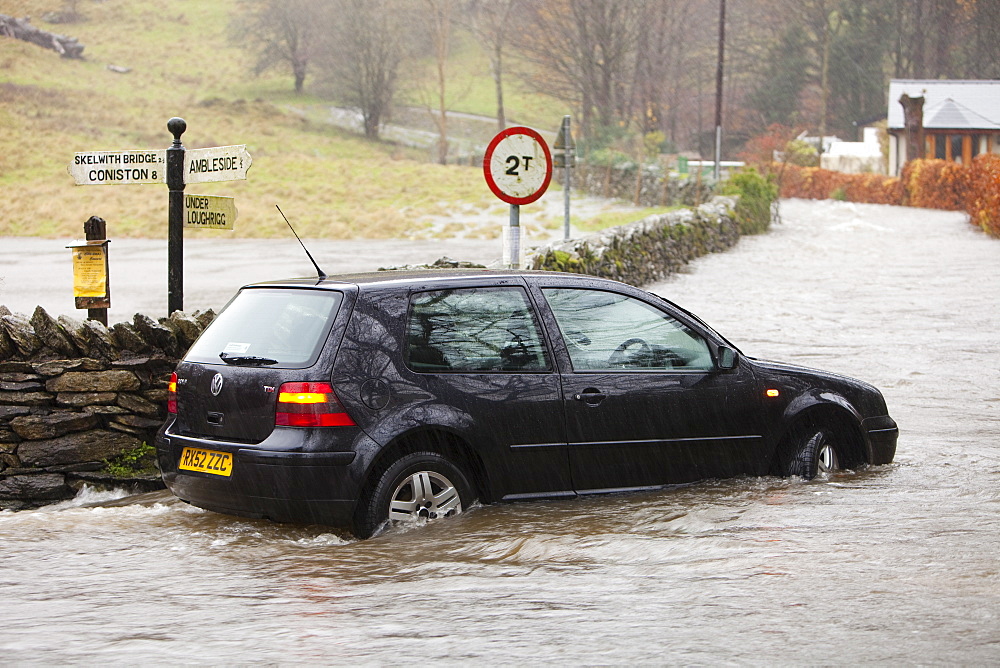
(37, 271)
(893, 565)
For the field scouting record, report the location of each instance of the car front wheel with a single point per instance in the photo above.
(816, 454)
(418, 487)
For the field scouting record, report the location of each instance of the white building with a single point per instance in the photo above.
(856, 157)
(961, 119)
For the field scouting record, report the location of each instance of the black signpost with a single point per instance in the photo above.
(175, 217)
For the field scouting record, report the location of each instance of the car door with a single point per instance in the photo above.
(645, 402)
(481, 352)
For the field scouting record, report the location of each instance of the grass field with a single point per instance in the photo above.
(331, 183)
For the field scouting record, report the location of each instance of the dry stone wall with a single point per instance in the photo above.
(644, 185)
(647, 250)
(81, 403)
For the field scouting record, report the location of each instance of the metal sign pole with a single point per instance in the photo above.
(515, 236)
(565, 156)
(569, 164)
(175, 217)
(566, 234)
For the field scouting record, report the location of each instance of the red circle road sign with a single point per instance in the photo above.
(518, 165)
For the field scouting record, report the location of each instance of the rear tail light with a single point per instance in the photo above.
(310, 405)
(172, 394)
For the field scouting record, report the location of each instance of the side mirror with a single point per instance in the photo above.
(727, 358)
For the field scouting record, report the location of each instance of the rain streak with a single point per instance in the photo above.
(891, 564)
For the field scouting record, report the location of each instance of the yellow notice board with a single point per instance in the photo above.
(90, 270)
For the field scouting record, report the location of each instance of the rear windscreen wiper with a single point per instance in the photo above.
(247, 360)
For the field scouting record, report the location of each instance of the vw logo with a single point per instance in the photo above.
(216, 384)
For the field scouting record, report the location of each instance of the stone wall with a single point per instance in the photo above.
(647, 250)
(646, 185)
(81, 403)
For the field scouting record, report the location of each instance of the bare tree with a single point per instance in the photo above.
(277, 32)
(439, 17)
(823, 20)
(585, 54)
(982, 59)
(489, 22)
(367, 41)
(667, 42)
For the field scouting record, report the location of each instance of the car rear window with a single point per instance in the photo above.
(282, 327)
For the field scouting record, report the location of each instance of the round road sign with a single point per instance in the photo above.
(518, 165)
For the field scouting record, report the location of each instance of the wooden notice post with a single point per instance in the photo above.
(91, 281)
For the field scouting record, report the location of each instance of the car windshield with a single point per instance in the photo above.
(264, 326)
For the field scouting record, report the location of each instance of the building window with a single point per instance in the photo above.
(936, 146)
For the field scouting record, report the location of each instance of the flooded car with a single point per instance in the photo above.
(360, 400)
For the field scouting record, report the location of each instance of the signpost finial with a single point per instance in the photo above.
(177, 126)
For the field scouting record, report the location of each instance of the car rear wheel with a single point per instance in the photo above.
(817, 454)
(418, 487)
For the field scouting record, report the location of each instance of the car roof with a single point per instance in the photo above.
(412, 276)
(421, 278)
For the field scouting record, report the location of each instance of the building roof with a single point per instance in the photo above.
(949, 105)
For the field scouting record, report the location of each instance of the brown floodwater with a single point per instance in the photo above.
(891, 565)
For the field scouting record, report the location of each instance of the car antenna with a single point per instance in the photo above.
(322, 275)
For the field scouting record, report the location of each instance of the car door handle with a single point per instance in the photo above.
(591, 396)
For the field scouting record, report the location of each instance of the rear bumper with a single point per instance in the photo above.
(309, 487)
(881, 434)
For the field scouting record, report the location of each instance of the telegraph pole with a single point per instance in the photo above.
(718, 88)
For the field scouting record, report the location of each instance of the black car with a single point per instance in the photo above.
(361, 399)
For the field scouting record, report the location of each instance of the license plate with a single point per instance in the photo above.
(206, 461)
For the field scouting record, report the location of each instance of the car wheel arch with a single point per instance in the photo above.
(442, 441)
(844, 423)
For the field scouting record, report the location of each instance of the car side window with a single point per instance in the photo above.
(474, 329)
(607, 331)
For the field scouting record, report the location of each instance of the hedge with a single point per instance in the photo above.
(983, 199)
(929, 184)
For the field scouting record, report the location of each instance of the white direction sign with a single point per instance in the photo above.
(98, 168)
(209, 211)
(219, 163)
(518, 165)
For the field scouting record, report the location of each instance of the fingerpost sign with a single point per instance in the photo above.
(177, 167)
(518, 169)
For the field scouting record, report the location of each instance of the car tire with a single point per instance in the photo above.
(816, 454)
(420, 486)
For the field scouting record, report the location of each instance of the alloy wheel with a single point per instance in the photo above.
(424, 495)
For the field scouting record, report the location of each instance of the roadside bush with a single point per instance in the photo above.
(936, 184)
(816, 183)
(983, 203)
(874, 189)
(756, 194)
(798, 152)
(609, 157)
(760, 151)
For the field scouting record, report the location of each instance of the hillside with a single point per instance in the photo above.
(331, 183)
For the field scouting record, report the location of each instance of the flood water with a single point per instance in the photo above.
(896, 564)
